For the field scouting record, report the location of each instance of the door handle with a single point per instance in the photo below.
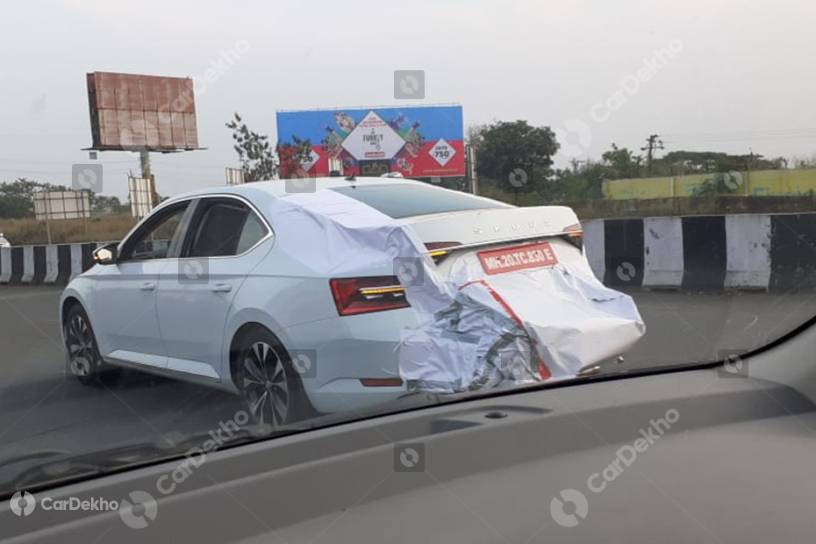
(148, 286)
(221, 288)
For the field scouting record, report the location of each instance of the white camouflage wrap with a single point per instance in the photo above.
(475, 329)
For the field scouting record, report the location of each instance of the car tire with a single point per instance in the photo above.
(267, 381)
(82, 352)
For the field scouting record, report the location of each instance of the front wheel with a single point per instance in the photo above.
(84, 361)
(268, 382)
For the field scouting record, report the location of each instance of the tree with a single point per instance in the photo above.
(107, 204)
(621, 163)
(256, 156)
(584, 181)
(805, 162)
(515, 156)
(709, 162)
(16, 197)
(258, 160)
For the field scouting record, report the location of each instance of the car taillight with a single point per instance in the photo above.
(368, 294)
(574, 234)
(440, 250)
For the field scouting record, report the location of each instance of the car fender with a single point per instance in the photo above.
(233, 325)
(80, 289)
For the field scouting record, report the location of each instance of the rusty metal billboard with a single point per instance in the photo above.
(131, 112)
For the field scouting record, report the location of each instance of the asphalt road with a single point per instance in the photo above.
(43, 409)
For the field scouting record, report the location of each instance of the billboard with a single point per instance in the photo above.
(132, 112)
(422, 141)
(56, 205)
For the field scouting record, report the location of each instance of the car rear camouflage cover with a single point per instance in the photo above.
(493, 318)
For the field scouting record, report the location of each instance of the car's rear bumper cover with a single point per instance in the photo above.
(345, 350)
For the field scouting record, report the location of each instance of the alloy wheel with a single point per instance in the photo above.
(81, 348)
(266, 384)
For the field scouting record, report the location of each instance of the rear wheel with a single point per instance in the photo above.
(84, 360)
(268, 382)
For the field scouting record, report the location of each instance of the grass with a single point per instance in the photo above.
(96, 229)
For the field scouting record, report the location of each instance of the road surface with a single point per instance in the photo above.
(43, 409)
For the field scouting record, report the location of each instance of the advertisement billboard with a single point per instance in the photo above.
(131, 112)
(422, 141)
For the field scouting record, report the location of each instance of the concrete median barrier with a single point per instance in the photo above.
(748, 247)
(45, 264)
(663, 262)
(774, 252)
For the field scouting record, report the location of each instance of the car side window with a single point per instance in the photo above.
(254, 230)
(225, 228)
(155, 240)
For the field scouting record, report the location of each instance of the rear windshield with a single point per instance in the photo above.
(407, 200)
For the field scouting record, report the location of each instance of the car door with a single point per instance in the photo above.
(194, 298)
(124, 313)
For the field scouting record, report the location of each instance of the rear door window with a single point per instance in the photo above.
(398, 200)
(225, 227)
(254, 230)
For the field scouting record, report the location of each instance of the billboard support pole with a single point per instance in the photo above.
(48, 220)
(85, 215)
(144, 160)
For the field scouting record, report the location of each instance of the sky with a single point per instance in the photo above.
(716, 75)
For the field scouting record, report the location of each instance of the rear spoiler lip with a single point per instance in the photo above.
(483, 243)
(415, 219)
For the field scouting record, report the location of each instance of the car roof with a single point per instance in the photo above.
(278, 187)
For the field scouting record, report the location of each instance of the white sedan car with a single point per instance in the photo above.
(213, 287)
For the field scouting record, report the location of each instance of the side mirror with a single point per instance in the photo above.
(105, 254)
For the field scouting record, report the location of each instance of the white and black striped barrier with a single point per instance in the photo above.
(57, 263)
(746, 251)
(741, 251)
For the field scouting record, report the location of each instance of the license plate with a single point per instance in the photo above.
(509, 259)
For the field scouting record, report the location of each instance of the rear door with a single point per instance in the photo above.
(221, 247)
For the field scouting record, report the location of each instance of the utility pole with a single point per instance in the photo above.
(747, 183)
(653, 143)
